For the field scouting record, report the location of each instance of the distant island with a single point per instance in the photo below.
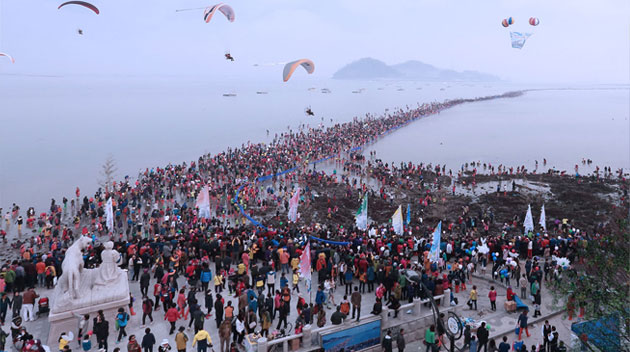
(369, 68)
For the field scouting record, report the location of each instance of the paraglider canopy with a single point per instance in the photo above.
(81, 3)
(225, 9)
(518, 39)
(8, 56)
(308, 65)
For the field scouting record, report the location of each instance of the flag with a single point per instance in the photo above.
(109, 212)
(408, 215)
(305, 264)
(293, 206)
(361, 217)
(542, 220)
(434, 254)
(397, 221)
(529, 220)
(203, 203)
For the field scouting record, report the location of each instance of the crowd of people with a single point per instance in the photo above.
(189, 267)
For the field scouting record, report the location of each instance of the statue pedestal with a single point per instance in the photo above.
(91, 297)
(67, 321)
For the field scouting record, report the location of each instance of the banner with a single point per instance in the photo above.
(293, 206)
(397, 221)
(408, 215)
(434, 254)
(109, 212)
(529, 220)
(203, 203)
(362, 214)
(305, 264)
(542, 220)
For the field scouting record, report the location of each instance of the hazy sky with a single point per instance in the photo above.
(576, 41)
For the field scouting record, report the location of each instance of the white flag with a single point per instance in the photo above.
(109, 212)
(434, 254)
(529, 220)
(361, 217)
(542, 221)
(293, 206)
(397, 221)
(203, 203)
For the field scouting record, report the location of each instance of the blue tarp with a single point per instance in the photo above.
(602, 333)
(519, 303)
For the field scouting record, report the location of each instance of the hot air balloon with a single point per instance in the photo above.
(225, 9)
(81, 3)
(534, 21)
(9, 57)
(505, 23)
(308, 65)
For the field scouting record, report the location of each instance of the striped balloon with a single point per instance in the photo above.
(510, 21)
(505, 23)
(534, 21)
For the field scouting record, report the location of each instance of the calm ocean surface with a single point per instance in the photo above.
(56, 132)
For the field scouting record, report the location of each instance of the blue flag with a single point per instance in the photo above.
(408, 215)
(434, 254)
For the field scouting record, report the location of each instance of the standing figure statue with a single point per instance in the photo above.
(72, 267)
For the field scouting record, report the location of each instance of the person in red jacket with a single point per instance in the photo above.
(493, 298)
(172, 315)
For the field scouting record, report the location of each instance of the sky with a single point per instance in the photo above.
(579, 41)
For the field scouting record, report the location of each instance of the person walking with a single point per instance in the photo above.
(400, 341)
(356, 302)
(492, 295)
(148, 340)
(171, 316)
(132, 345)
(5, 303)
(145, 280)
(523, 284)
(546, 331)
(101, 330)
(218, 310)
(181, 339)
(522, 323)
(147, 310)
(16, 304)
(482, 337)
(122, 318)
(387, 342)
(225, 332)
(28, 302)
(504, 346)
(429, 338)
(472, 300)
(202, 340)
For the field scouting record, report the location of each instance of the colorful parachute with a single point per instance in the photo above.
(225, 9)
(534, 21)
(518, 39)
(505, 23)
(308, 65)
(9, 56)
(81, 3)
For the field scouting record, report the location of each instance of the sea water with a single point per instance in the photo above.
(57, 132)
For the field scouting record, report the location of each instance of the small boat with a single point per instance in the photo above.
(261, 92)
(400, 89)
(356, 91)
(380, 88)
(442, 89)
(325, 90)
(419, 88)
(229, 94)
(312, 88)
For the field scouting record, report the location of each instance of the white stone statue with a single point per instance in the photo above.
(72, 267)
(108, 271)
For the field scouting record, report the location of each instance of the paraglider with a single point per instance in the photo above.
(80, 31)
(228, 56)
(309, 112)
(289, 68)
(534, 21)
(225, 9)
(8, 56)
(519, 39)
(81, 3)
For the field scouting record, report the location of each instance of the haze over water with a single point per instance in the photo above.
(63, 129)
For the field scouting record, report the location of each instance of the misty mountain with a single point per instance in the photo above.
(369, 68)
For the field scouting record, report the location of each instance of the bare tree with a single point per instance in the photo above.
(108, 171)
